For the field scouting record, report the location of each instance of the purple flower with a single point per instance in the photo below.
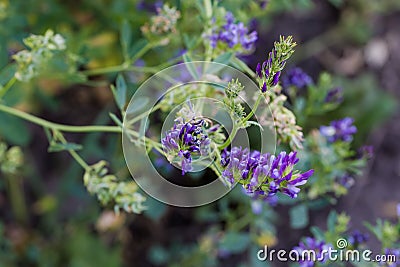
(339, 130)
(309, 259)
(225, 157)
(275, 79)
(235, 35)
(391, 252)
(263, 3)
(264, 87)
(296, 77)
(357, 238)
(185, 140)
(264, 174)
(151, 7)
(334, 95)
(258, 70)
(269, 71)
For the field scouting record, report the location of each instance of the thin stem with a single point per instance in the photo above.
(144, 114)
(228, 141)
(236, 128)
(73, 153)
(242, 222)
(128, 67)
(15, 190)
(56, 126)
(70, 128)
(9, 84)
(246, 68)
(143, 51)
(254, 109)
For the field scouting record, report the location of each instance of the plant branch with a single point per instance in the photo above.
(56, 126)
(9, 84)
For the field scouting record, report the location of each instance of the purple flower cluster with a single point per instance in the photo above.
(296, 77)
(269, 72)
(311, 244)
(185, 140)
(265, 70)
(263, 3)
(235, 35)
(391, 251)
(339, 130)
(263, 174)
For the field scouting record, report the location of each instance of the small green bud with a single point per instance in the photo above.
(233, 89)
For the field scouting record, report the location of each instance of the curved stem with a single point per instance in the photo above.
(56, 126)
(143, 51)
(9, 84)
(253, 110)
(144, 114)
(228, 141)
(236, 128)
(119, 68)
(73, 153)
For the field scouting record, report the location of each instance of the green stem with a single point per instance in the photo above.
(17, 198)
(70, 128)
(144, 114)
(119, 68)
(142, 51)
(254, 109)
(126, 66)
(236, 128)
(241, 223)
(9, 84)
(56, 126)
(73, 153)
(230, 138)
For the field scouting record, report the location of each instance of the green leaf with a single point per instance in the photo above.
(57, 147)
(126, 38)
(119, 92)
(298, 216)
(235, 242)
(239, 64)
(331, 222)
(208, 9)
(223, 59)
(189, 41)
(318, 234)
(139, 104)
(115, 119)
(191, 68)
